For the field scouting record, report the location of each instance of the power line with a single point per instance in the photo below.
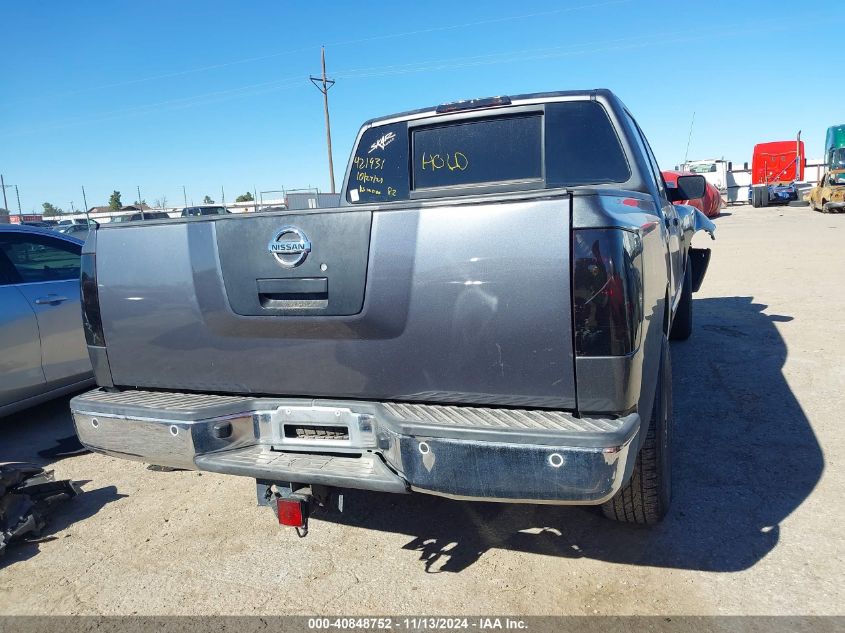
(173, 104)
(379, 71)
(373, 38)
(355, 73)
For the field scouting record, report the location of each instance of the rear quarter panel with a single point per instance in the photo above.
(627, 383)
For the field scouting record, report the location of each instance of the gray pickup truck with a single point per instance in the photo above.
(486, 316)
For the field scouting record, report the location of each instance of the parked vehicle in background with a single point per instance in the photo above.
(204, 210)
(776, 167)
(828, 196)
(298, 200)
(733, 184)
(834, 147)
(486, 316)
(710, 204)
(139, 216)
(77, 230)
(43, 353)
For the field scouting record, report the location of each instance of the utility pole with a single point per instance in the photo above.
(185, 195)
(18, 196)
(222, 196)
(3, 187)
(85, 202)
(323, 84)
(141, 204)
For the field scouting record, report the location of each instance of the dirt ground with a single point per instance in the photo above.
(754, 527)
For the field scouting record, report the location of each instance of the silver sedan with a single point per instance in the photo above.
(42, 344)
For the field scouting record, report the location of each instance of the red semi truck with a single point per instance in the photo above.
(775, 168)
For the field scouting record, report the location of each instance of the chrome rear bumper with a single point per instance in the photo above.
(531, 456)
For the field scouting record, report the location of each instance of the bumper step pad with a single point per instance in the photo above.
(367, 472)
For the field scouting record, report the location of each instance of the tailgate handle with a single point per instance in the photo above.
(277, 293)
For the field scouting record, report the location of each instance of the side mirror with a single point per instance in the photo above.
(688, 188)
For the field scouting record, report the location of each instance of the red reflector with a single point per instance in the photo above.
(291, 512)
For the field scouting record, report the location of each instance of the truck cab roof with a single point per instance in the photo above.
(531, 97)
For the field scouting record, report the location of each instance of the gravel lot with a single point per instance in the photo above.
(753, 530)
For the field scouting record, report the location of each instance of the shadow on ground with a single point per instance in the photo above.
(745, 458)
(26, 432)
(23, 435)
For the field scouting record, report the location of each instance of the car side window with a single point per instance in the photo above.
(39, 258)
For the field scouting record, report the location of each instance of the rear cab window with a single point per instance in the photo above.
(496, 150)
(559, 144)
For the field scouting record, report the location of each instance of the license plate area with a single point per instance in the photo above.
(326, 427)
(315, 432)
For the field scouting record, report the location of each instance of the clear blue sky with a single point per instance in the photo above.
(160, 94)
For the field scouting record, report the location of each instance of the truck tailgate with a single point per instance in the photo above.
(463, 303)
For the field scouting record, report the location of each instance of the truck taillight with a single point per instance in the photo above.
(606, 291)
(92, 323)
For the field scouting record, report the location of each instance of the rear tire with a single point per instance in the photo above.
(759, 197)
(682, 323)
(646, 497)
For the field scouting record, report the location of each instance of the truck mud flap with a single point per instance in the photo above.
(699, 260)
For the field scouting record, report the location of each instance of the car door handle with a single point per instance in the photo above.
(50, 300)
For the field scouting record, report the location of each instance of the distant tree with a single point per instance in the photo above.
(4, 212)
(114, 201)
(161, 203)
(50, 210)
(138, 203)
(247, 197)
(207, 200)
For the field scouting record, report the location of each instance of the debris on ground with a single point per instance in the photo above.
(27, 494)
